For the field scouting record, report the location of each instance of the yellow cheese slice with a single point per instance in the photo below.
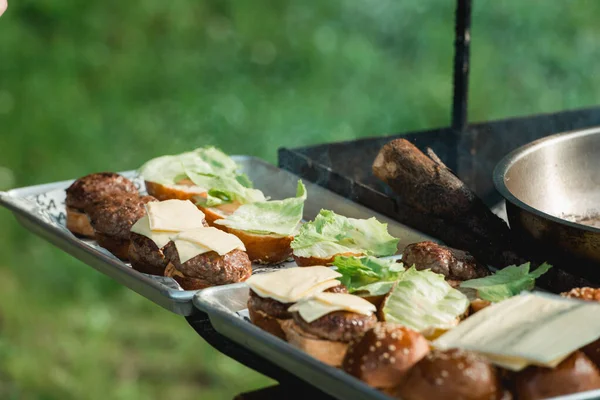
(142, 227)
(202, 240)
(313, 308)
(173, 215)
(291, 284)
(531, 329)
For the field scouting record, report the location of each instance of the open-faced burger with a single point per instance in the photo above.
(204, 257)
(323, 325)
(330, 235)
(87, 191)
(272, 294)
(112, 219)
(151, 233)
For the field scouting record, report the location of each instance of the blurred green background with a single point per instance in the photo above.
(88, 86)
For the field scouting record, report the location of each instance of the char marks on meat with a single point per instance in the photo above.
(454, 264)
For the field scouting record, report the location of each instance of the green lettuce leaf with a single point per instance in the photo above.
(209, 168)
(277, 216)
(331, 234)
(422, 300)
(507, 282)
(224, 189)
(368, 274)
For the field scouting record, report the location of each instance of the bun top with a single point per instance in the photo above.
(575, 374)
(583, 293)
(451, 374)
(384, 354)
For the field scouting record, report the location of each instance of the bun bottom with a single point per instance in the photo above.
(267, 323)
(79, 223)
(118, 247)
(313, 261)
(326, 351)
(262, 249)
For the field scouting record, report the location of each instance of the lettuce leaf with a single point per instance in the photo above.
(330, 234)
(368, 274)
(223, 189)
(277, 216)
(208, 168)
(421, 300)
(507, 282)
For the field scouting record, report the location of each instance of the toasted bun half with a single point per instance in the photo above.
(326, 351)
(267, 323)
(118, 247)
(262, 249)
(165, 192)
(384, 354)
(312, 261)
(79, 223)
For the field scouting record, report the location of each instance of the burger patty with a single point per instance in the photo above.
(146, 251)
(232, 267)
(338, 326)
(277, 309)
(115, 215)
(92, 188)
(454, 264)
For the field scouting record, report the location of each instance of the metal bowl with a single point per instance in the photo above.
(551, 187)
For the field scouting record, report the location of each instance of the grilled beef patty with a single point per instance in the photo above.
(454, 264)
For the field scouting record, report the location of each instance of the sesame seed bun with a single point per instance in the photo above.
(452, 374)
(384, 354)
(575, 374)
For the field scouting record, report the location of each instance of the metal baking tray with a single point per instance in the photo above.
(41, 209)
(227, 310)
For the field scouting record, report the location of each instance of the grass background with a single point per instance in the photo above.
(89, 86)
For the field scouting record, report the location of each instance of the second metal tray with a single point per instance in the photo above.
(41, 209)
(227, 310)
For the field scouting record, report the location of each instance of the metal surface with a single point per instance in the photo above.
(226, 307)
(41, 209)
(222, 305)
(462, 42)
(546, 183)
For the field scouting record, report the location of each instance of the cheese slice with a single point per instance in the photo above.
(173, 215)
(531, 329)
(313, 308)
(321, 287)
(291, 284)
(198, 241)
(142, 227)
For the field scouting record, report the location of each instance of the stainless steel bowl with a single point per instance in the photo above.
(551, 186)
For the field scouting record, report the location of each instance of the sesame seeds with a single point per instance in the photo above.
(362, 368)
(444, 373)
(405, 350)
(391, 347)
(386, 355)
(364, 358)
(378, 343)
(392, 360)
(461, 365)
(438, 381)
(351, 361)
(372, 348)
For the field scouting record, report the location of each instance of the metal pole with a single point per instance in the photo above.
(461, 65)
